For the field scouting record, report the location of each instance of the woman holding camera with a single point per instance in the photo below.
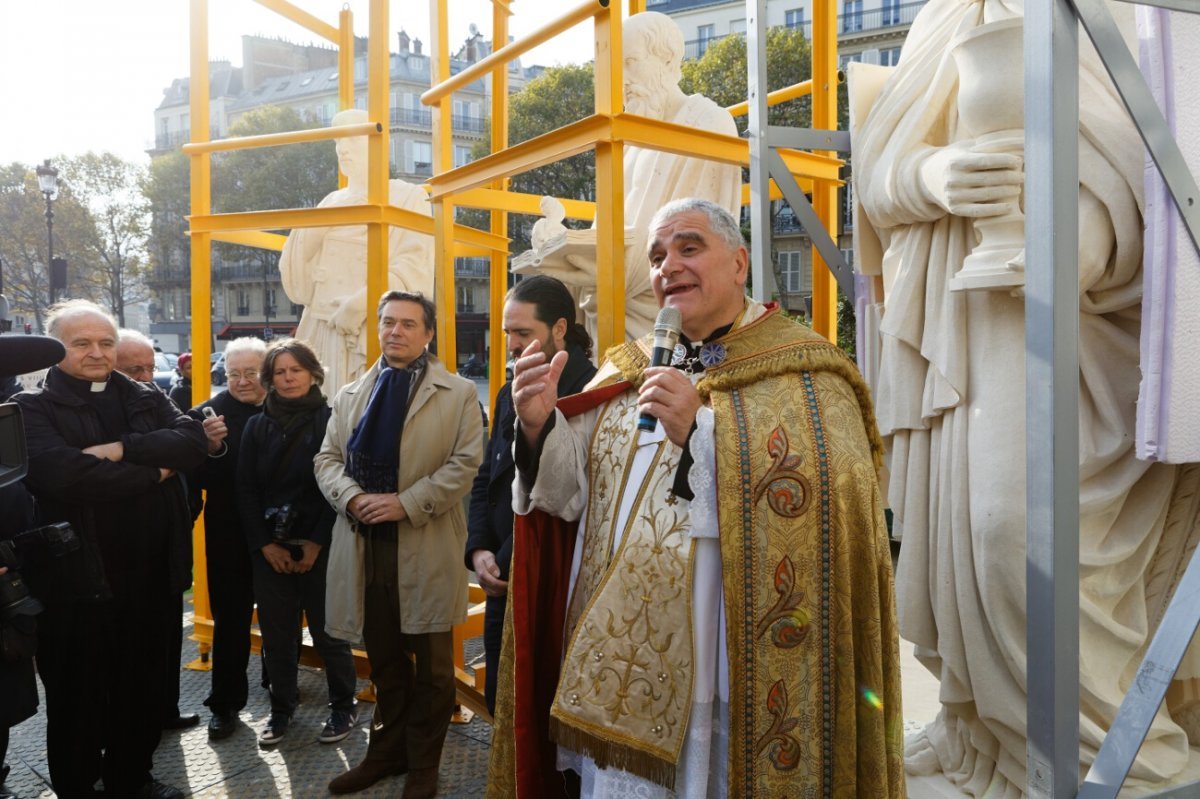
(288, 524)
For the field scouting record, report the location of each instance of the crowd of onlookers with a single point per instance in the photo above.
(348, 509)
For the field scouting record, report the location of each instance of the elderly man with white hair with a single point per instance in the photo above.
(230, 576)
(103, 455)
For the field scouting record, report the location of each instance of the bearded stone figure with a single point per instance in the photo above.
(325, 269)
(653, 52)
(951, 396)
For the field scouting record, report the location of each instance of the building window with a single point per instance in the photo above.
(794, 18)
(418, 157)
(704, 35)
(852, 19)
(791, 272)
(466, 303)
(889, 57)
(852, 58)
(891, 12)
(462, 155)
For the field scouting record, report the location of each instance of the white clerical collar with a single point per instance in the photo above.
(96, 388)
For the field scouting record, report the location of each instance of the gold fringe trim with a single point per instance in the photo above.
(610, 754)
(770, 346)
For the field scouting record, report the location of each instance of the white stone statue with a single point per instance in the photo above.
(550, 227)
(325, 269)
(951, 396)
(653, 53)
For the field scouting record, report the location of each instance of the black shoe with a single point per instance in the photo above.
(221, 725)
(158, 790)
(182, 721)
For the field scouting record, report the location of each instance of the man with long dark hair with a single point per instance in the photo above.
(538, 308)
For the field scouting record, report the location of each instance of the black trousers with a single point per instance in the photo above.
(281, 599)
(413, 674)
(174, 653)
(231, 601)
(101, 666)
(493, 638)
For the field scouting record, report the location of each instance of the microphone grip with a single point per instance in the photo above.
(659, 356)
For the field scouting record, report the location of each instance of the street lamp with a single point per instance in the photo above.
(48, 182)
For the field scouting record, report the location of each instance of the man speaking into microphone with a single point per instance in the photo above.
(728, 616)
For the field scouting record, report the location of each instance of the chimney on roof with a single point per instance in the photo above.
(404, 40)
(416, 46)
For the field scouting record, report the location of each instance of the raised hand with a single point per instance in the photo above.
(535, 388)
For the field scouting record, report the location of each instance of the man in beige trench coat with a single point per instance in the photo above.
(400, 453)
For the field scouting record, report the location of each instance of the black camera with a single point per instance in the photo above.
(282, 521)
(32, 549)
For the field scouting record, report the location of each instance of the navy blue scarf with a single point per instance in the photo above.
(373, 451)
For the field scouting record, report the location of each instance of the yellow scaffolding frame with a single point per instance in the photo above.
(484, 183)
(251, 228)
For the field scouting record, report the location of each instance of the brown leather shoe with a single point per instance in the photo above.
(366, 774)
(421, 783)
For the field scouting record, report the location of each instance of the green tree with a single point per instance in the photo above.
(559, 96)
(115, 242)
(24, 243)
(720, 74)
(293, 176)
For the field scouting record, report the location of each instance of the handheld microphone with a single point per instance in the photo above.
(666, 335)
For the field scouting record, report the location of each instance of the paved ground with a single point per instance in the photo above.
(237, 767)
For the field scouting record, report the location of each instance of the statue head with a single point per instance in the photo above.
(653, 53)
(352, 151)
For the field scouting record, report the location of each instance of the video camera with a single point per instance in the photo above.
(31, 549)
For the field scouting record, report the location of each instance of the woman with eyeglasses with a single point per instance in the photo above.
(288, 526)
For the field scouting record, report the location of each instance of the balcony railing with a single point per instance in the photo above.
(874, 19)
(471, 267)
(243, 310)
(473, 124)
(413, 117)
(423, 118)
(245, 272)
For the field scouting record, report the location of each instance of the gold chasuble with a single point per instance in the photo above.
(812, 647)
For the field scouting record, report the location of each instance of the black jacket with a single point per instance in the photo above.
(181, 395)
(218, 477)
(121, 510)
(275, 469)
(490, 519)
(18, 690)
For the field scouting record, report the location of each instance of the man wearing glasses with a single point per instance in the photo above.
(230, 583)
(135, 360)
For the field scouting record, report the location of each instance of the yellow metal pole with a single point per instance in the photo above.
(498, 273)
(346, 74)
(286, 137)
(502, 55)
(610, 186)
(443, 208)
(377, 165)
(301, 18)
(201, 200)
(825, 193)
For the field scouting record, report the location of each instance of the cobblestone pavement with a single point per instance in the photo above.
(299, 767)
